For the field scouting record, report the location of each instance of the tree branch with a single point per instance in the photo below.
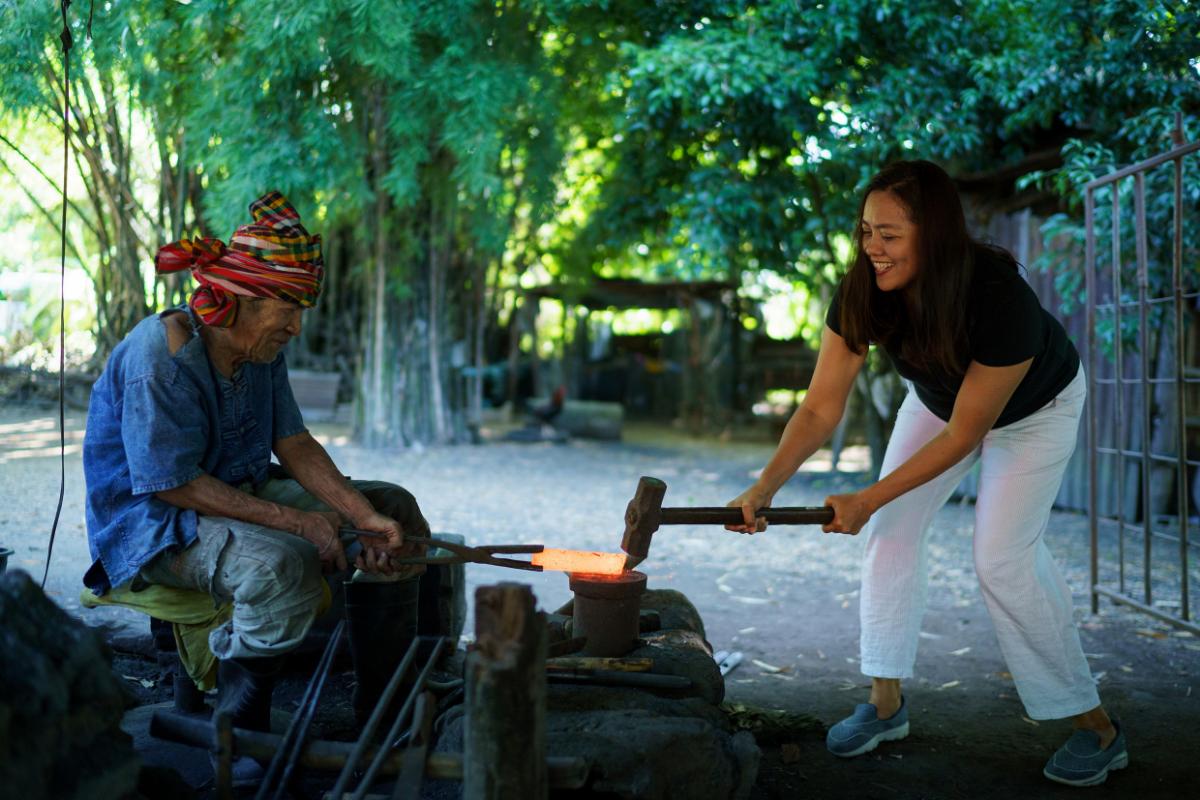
(48, 180)
(54, 221)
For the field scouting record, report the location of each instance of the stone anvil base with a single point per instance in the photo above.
(642, 743)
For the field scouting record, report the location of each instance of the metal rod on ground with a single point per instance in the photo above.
(223, 744)
(564, 772)
(412, 763)
(284, 763)
(368, 731)
(504, 741)
(394, 731)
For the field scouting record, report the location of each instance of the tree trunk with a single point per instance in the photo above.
(438, 235)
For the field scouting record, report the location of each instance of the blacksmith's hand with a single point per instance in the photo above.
(850, 513)
(750, 501)
(321, 528)
(377, 553)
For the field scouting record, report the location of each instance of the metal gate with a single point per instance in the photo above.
(1143, 377)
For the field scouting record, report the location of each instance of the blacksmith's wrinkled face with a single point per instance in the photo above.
(263, 326)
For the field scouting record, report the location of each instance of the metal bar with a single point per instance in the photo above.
(1149, 163)
(1143, 279)
(1163, 457)
(297, 731)
(223, 743)
(368, 731)
(1089, 266)
(1145, 609)
(1181, 488)
(1190, 376)
(1157, 534)
(412, 763)
(1155, 300)
(394, 732)
(564, 772)
(1119, 366)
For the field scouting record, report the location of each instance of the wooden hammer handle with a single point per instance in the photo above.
(724, 515)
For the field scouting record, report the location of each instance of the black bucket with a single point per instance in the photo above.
(4, 554)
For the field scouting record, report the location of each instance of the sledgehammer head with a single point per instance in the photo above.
(642, 517)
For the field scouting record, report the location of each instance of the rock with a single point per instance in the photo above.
(638, 752)
(60, 704)
(682, 652)
(570, 698)
(674, 610)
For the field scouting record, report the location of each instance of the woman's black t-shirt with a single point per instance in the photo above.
(1006, 325)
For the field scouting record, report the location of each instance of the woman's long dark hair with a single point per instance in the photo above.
(926, 323)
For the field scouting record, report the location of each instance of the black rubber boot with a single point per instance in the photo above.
(382, 622)
(188, 697)
(244, 687)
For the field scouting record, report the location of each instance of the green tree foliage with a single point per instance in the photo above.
(750, 129)
(448, 149)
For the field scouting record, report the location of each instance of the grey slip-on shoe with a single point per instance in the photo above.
(862, 731)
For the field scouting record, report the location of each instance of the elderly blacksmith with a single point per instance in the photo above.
(181, 491)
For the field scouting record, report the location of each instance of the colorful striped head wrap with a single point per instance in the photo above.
(272, 257)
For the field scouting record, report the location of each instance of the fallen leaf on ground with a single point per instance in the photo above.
(1027, 719)
(148, 684)
(1005, 675)
(949, 684)
(1151, 634)
(1126, 668)
(751, 601)
(960, 651)
(926, 635)
(1099, 676)
(751, 629)
(765, 667)
(790, 753)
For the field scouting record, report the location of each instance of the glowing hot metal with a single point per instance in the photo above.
(580, 561)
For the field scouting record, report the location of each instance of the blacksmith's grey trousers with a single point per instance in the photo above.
(272, 577)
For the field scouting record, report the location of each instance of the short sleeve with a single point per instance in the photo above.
(287, 420)
(164, 429)
(1008, 327)
(833, 317)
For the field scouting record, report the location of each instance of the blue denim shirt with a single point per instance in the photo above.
(158, 421)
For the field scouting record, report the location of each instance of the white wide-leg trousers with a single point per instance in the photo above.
(1021, 468)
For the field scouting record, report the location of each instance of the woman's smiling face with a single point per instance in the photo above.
(889, 239)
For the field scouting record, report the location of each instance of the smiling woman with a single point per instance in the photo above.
(995, 381)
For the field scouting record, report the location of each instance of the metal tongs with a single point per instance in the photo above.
(461, 553)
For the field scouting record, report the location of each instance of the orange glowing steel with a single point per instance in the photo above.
(580, 561)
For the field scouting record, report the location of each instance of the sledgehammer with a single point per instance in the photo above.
(645, 514)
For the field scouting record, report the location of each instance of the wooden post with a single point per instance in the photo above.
(504, 748)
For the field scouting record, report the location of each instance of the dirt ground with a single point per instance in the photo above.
(787, 600)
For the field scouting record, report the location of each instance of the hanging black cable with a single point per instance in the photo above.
(67, 43)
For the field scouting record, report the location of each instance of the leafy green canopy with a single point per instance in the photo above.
(747, 132)
(583, 137)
